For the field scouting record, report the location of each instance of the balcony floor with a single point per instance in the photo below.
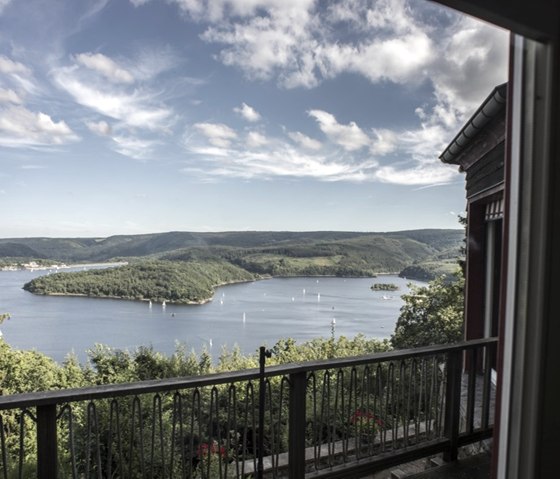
(474, 467)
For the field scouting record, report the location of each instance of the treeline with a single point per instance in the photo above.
(28, 371)
(411, 246)
(171, 281)
(430, 270)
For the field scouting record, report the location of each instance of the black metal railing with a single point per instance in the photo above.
(321, 419)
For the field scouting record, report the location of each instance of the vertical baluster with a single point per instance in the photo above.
(326, 414)
(381, 391)
(486, 387)
(67, 409)
(157, 418)
(424, 392)
(347, 414)
(471, 390)
(93, 424)
(416, 391)
(231, 438)
(408, 398)
(114, 419)
(365, 402)
(249, 406)
(312, 379)
(340, 411)
(195, 424)
(138, 445)
(390, 400)
(175, 425)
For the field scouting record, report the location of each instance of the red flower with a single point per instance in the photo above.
(366, 420)
(205, 449)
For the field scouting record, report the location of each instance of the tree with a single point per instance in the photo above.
(432, 314)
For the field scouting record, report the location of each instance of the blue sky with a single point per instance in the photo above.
(123, 117)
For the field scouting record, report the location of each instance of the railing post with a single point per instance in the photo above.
(47, 451)
(453, 403)
(263, 354)
(297, 426)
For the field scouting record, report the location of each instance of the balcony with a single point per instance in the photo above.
(336, 418)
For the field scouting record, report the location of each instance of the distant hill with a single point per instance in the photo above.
(415, 243)
(277, 253)
(185, 267)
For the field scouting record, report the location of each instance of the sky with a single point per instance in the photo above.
(140, 116)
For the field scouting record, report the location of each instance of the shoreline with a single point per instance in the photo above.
(214, 287)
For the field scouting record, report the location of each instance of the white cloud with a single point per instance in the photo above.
(105, 66)
(305, 141)
(281, 161)
(9, 96)
(350, 137)
(217, 10)
(20, 127)
(266, 39)
(386, 141)
(18, 75)
(474, 58)
(398, 60)
(296, 43)
(247, 112)
(256, 139)
(101, 128)
(133, 147)
(8, 66)
(4, 4)
(136, 109)
(33, 167)
(429, 173)
(218, 134)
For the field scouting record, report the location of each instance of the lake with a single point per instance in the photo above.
(248, 315)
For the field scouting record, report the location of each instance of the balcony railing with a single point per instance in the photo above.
(321, 419)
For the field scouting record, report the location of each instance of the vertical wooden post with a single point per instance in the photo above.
(453, 403)
(47, 451)
(297, 423)
(263, 354)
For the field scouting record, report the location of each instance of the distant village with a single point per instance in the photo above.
(33, 266)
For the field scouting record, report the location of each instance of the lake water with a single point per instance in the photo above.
(248, 315)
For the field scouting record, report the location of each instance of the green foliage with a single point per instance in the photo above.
(431, 315)
(174, 282)
(432, 269)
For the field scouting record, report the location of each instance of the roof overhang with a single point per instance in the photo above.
(490, 109)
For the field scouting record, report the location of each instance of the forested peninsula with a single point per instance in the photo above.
(181, 267)
(182, 282)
